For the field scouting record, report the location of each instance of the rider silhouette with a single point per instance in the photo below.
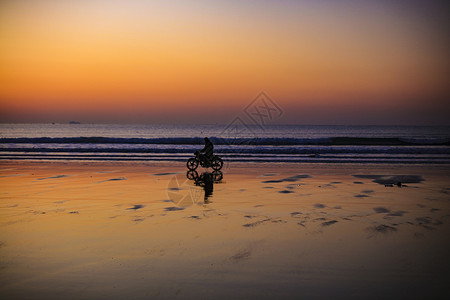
(207, 151)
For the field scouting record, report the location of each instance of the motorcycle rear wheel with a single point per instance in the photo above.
(192, 163)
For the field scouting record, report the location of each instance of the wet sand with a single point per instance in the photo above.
(80, 230)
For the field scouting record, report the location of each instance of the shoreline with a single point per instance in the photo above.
(340, 168)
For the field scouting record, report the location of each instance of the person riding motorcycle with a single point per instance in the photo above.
(205, 158)
(207, 151)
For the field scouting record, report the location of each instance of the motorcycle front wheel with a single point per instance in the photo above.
(217, 163)
(192, 163)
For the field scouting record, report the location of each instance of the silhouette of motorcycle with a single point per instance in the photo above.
(216, 163)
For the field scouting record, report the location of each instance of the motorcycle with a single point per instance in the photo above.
(216, 162)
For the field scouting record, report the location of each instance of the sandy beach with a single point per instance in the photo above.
(111, 230)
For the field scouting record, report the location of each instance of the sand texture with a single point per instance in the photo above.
(148, 231)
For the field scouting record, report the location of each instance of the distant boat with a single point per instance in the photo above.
(74, 122)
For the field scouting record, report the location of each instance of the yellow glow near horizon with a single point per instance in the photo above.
(88, 54)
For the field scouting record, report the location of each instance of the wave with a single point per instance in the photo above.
(312, 150)
(357, 160)
(338, 141)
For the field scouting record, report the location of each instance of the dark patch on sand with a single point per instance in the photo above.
(137, 206)
(288, 179)
(398, 213)
(336, 182)
(423, 221)
(302, 223)
(319, 205)
(381, 210)
(366, 191)
(278, 221)
(272, 181)
(445, 191)
(269, 174)
(75, 212)
(319, 219)
(328, 223)
(327, 185)
(358, 182)
(139, 219)
(434, 210)
(295, 213)
(195, 217)
(163, 174)
(175, 189)
(257, 223)
(173, 208)
(241, 255)
(116, 179)
(384, 229)
(338, 207)
(259, 205)
(392, 179)
(285, 192)
(361, 196)
(12, 175)
(268, 187)
(296, 177)
(53, 177)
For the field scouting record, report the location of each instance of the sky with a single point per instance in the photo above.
(351, 62)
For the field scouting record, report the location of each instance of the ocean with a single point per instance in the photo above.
(240, 143)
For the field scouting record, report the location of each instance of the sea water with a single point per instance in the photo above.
(269, 143)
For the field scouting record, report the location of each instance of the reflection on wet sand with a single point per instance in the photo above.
(205, 180)
(193, 188)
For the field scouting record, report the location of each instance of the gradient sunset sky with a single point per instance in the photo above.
(323, 62)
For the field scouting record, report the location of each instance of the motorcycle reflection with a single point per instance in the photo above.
(205, 180)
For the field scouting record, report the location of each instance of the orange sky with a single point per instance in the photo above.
(203, 61)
